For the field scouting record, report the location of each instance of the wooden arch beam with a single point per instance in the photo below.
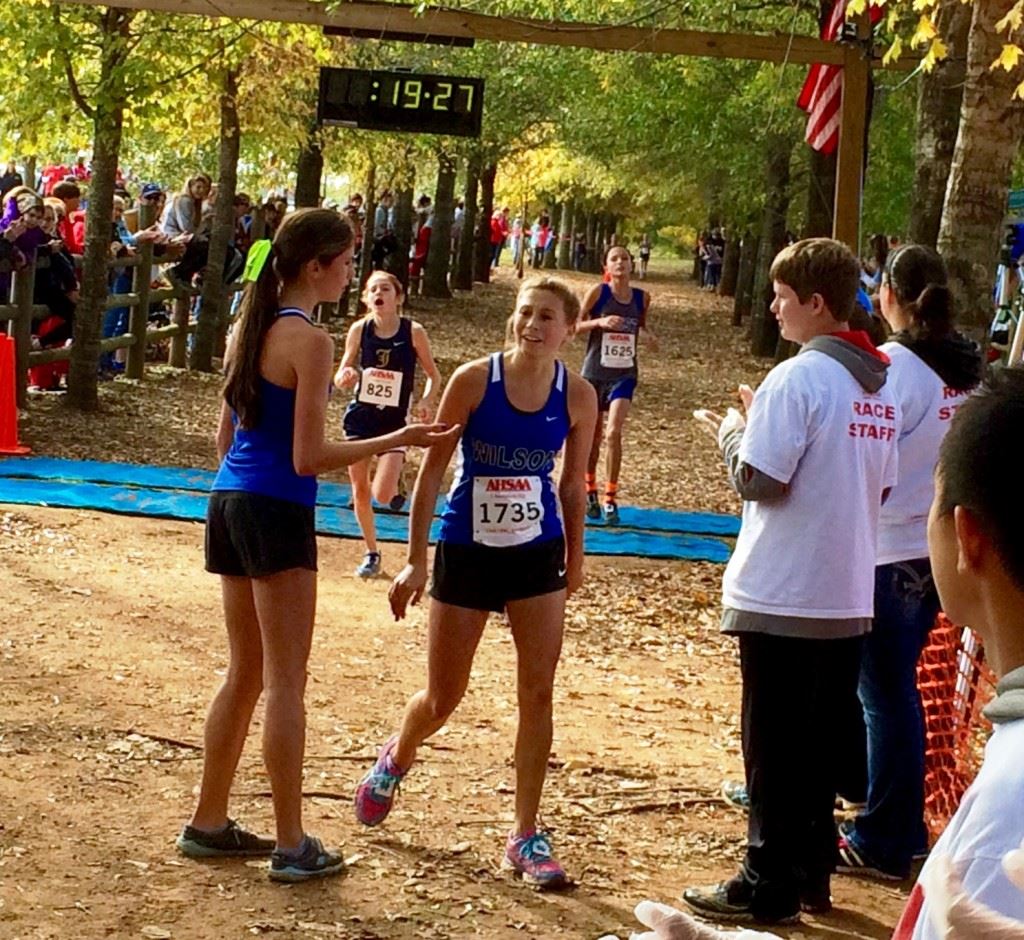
(363, 15)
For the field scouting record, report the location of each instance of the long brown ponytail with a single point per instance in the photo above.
(303, 236)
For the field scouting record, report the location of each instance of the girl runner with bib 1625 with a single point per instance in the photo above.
(380, 358)
(614, 317)
(504, 546)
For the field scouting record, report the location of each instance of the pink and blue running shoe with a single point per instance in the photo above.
(530, 856)
(377, 790)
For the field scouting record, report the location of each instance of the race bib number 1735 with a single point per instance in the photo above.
(507, 510)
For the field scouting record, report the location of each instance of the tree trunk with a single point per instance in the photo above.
(403, 234)
(821, 192)
(309, 172)
(435, 277)
(214, 298)
(108, 121)
(366, 248)
(745, 277)
(939, 98)
(565, 236)
(989, 137)
(30, 171)
(463, 276)
(730, 268)
(597, 257)
(764, 327)
(482, 259)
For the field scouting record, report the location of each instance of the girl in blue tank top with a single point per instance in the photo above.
(260, 533)
(381, 354)
(511, 540)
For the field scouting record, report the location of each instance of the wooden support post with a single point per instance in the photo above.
(21, 327)
(852, 136)
(177, 357)
(138, 315)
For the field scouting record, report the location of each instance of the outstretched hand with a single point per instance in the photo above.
(407, 588)
(719, 425)
(428, 435)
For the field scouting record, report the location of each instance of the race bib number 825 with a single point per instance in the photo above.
(380, 387)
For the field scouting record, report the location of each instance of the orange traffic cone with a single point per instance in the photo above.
(8, 400)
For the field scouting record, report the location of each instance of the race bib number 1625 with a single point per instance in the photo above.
(618, 350)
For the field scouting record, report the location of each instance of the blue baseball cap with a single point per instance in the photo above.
(150, 189)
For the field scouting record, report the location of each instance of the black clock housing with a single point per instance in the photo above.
(401, 101)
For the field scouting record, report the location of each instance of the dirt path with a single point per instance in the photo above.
(113, 645)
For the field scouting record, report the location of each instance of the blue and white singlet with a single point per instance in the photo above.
(503, 494)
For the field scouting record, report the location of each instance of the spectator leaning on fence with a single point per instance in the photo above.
(21, 232)
(184, 212)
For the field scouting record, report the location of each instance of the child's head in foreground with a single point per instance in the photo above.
(815, 283)
(976, 524)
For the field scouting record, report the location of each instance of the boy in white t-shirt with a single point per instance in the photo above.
(812, 461)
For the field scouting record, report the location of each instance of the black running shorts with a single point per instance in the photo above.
(481, 577)
(253, 536)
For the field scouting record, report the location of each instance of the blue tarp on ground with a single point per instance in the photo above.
(180, 493)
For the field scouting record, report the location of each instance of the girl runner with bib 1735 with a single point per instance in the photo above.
(504, 546)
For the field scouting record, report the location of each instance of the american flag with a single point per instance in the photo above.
(822, 94)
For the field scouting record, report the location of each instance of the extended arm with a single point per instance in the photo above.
(571, 492)
(463, 394)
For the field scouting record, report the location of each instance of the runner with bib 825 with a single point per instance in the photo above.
(614, 316)
(386, 346)
(511, 540)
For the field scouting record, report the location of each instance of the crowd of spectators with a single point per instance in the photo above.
(44, 225)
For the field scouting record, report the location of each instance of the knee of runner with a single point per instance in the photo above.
(535, 694)
(245, 682)
(442, 702)
(384, 494)
(285, 685)
(612, 433)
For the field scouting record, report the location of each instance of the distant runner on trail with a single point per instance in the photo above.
(505, 545)
(615, 316)
(260, 537)
(381, 353)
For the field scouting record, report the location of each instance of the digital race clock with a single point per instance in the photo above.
(401, 101)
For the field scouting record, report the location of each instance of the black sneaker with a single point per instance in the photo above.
(312, 861)
(230, 842)
(816, 896)
(731, 902)
(593, 506)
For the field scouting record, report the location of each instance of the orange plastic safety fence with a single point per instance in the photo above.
(955, 684)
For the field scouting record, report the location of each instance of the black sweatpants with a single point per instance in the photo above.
(793, 692)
